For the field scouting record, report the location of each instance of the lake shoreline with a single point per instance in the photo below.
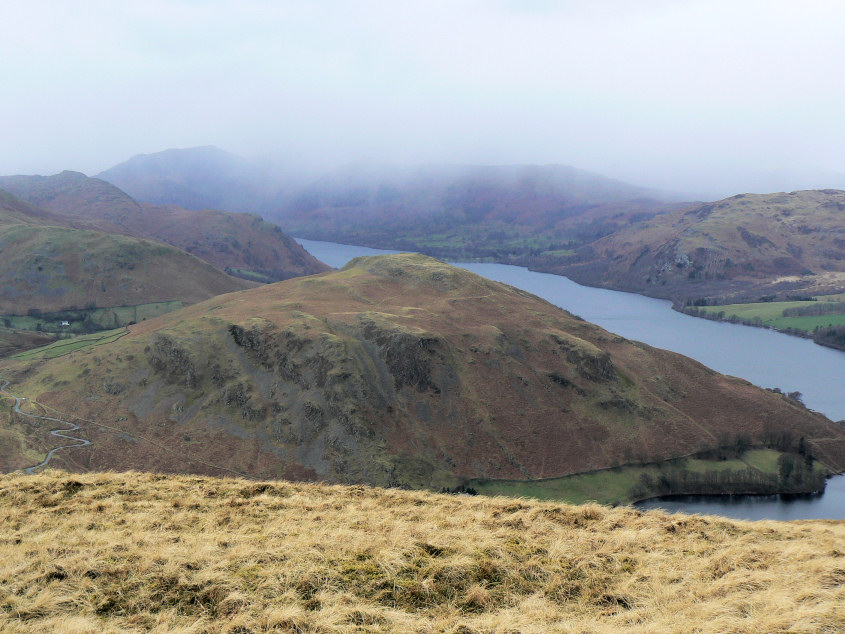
(693, 311)
(663, 474)
(790, 495)
(763, 357)
(781, 507)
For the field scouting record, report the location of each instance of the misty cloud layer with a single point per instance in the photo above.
(698, 96)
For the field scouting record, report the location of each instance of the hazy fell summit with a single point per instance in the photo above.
(449, 211)
(533, 194)
(211, 178)
(194, 178)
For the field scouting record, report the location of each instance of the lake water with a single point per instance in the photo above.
(764, 357)
(829, 505)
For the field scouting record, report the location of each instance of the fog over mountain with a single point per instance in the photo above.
(710, 98)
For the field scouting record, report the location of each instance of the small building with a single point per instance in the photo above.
(65, 323)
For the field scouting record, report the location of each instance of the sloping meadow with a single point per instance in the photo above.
(143, 552)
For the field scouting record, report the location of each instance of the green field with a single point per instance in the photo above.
(808, 324)
(771, 314)
(616, 486)
(88, 320)
(253, 276)
(765, 460)
(66, 346)
(606, 486)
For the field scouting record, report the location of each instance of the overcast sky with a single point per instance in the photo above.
(689, 95)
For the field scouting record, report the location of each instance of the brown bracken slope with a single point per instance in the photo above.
(398, 370)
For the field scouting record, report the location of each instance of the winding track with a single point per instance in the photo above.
(60, 433)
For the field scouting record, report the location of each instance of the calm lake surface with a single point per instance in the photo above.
(764, 357)
(829, 505)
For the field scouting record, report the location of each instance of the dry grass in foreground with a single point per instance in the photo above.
(132, 551)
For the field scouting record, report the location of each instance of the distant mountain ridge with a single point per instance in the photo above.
(208, 177)
(466, 212)
(384, 205)
(560, 219)
(497, 190)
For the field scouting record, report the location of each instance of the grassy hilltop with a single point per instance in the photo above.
(140, 552)
(405, 371)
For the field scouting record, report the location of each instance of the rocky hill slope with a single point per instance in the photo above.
(132, 551)
(402, 371)
(242, 244)
(741, 247)
(46, 268)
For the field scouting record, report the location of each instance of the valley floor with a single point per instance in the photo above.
(141, 552)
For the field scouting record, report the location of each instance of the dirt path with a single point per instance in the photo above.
(59, 433)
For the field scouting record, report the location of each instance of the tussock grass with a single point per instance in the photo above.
(144, 552)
